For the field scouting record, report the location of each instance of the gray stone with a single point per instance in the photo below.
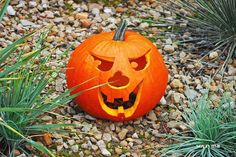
(89, 117)
(61, 3)
(155, 14)
(94, 147)
(58, 20)
(176, 115)
(163, 101)
(86, 127)
(84, 145)
(152, 116)
(106, 137)
(59, 148)
(95, 11)
(65, 145)
(102, 146)
(135, 135)
(156, 133)
(71, 142)
(168, 41)
(190, 94)
(75, 148)
(32, 4)
(173, 124)
(27, 23)
(169, 48)
(177, 98)
(49, 14)
(81, 154)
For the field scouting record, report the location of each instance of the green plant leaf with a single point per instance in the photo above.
(4, 9)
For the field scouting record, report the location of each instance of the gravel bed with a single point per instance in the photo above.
(70, 24)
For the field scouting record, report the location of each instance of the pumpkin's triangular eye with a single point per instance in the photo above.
(104, 65)
(138, 63)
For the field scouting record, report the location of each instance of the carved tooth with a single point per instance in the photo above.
(121, 110)
(126, 98)
(110, 99)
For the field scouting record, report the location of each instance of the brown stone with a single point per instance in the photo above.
(86, 23)
(81, 16)
(120, 10)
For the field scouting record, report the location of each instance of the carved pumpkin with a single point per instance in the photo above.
(132, 66)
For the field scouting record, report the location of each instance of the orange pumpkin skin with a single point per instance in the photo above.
(104, 60)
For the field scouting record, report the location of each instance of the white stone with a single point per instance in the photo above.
(58, 20)
(81, 154)
(177, 98)
(27, 23)
(32, 4)
(169, 41)
(135, 135)
(10, 10)
(108, 10)
(163, 101)
(213, 55)
(49, 14)
(102, 146)
(144, 25)
(95, 11)
(169, 48)
(75, 148)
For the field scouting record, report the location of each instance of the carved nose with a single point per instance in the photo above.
(118, 80)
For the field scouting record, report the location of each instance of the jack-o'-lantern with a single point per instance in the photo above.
(131, 65)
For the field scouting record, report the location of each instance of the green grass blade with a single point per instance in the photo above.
(25, 60)
(15, 109)
(4, 9)
(40, 147)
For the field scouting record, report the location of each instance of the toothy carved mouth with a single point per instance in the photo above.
(119, 107)
(119, 101)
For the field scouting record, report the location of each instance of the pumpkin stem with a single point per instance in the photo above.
(120, 32)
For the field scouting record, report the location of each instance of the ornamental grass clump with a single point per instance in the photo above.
(211, 23)
(212, 131)
(24, 97)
